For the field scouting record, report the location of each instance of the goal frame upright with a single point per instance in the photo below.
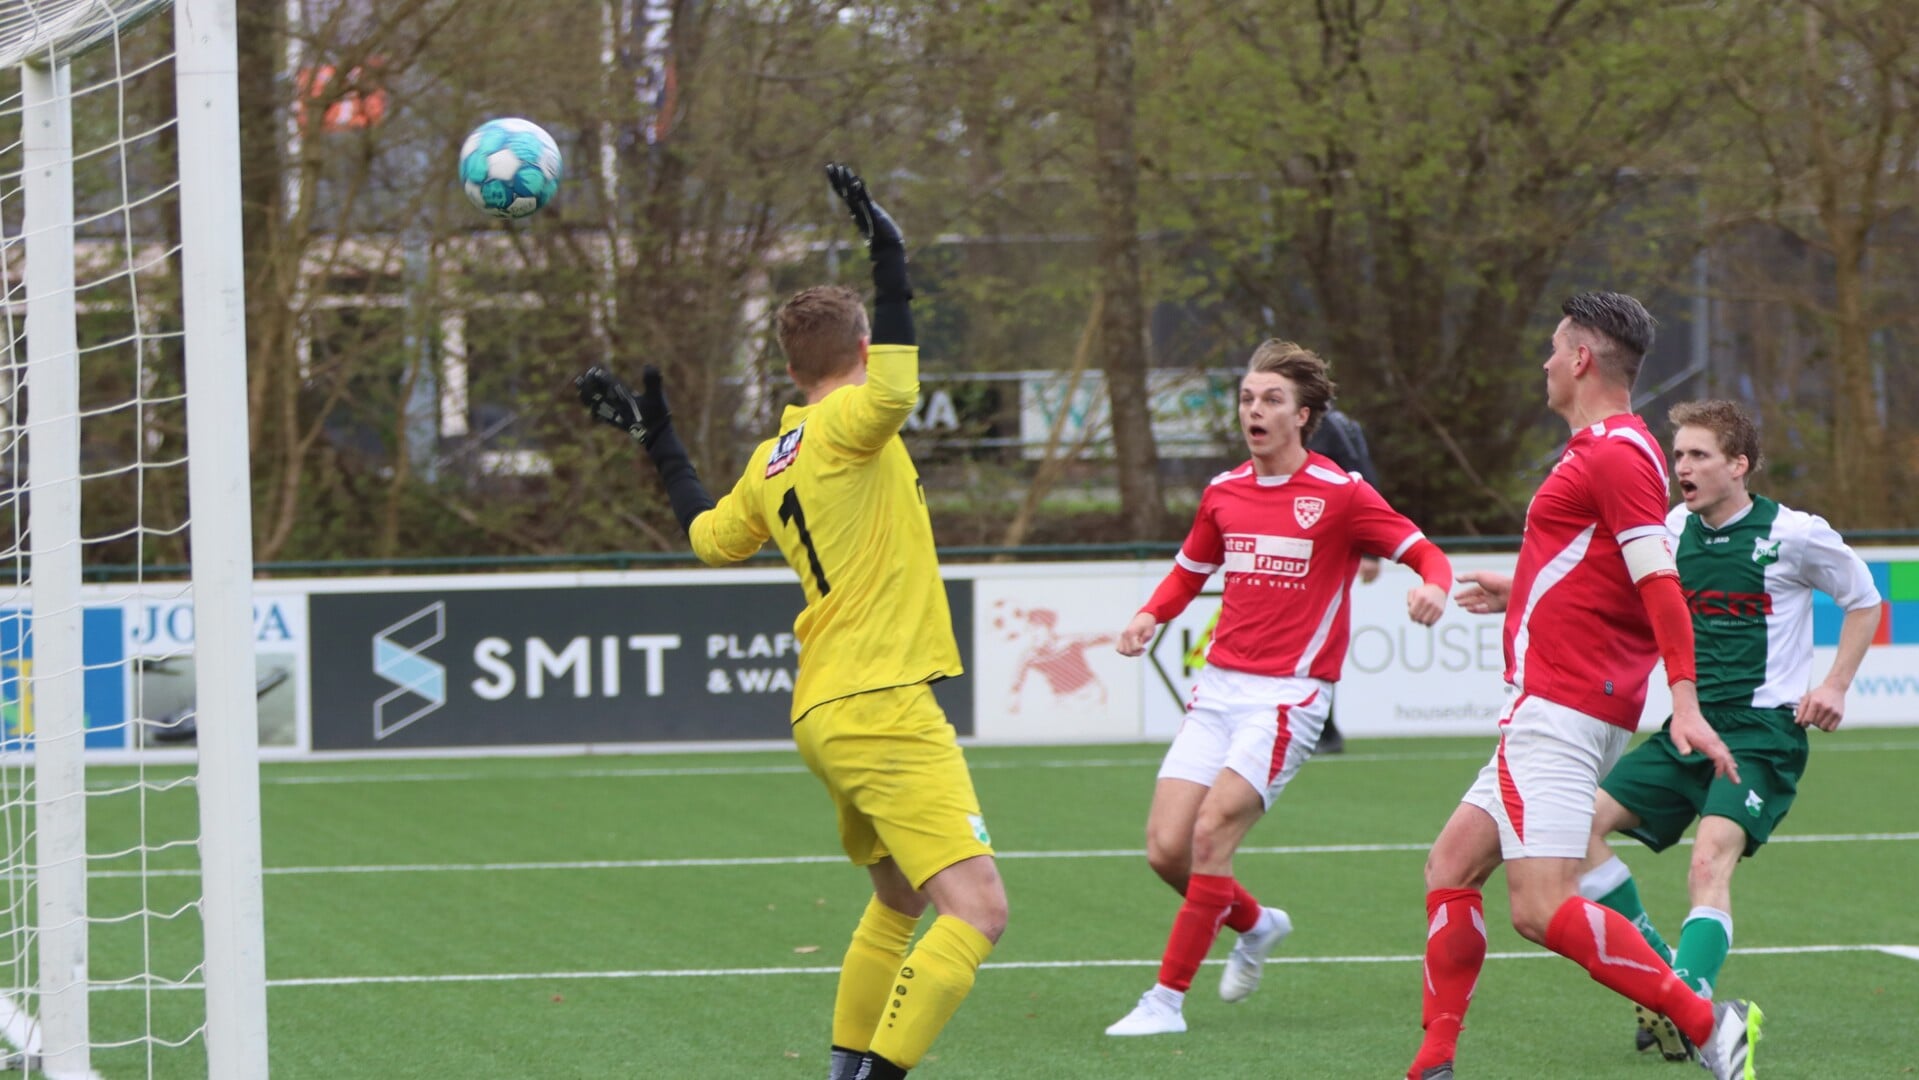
(60, 1036)
(220, 495)
(220, 532)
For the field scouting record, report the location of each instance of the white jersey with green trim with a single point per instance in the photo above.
(1749, 584)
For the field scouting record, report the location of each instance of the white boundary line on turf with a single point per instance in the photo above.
(809, 860)
(18, 1027)
(19, 1030)
(1010, 965)
(658, 772)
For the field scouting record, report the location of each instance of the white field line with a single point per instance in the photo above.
(1011, 965)
(18, 1027)
(807, 860)
(690, 770)
(268, 779)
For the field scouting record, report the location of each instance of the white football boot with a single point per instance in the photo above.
(1158, 1013)
(1727, 1053)
(1247, 962)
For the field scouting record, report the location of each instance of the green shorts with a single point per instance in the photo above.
(1667, 790)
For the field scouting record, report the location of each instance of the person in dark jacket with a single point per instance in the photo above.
(1340, 437)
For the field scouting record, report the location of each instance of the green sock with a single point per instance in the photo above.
(1611, 885)
(1704, 941)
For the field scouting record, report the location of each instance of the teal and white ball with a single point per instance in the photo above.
(510, 167)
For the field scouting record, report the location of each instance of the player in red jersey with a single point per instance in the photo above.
(1594, 601)
(1288, 528)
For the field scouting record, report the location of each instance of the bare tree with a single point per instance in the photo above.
(1122, 344)
(1399, 187)
(412, 359)
(1825, 96)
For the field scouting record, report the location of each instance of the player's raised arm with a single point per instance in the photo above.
(647, 419)
(886, 247)
(876, 410)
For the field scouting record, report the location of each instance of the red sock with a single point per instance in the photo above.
(1455, 951)
(1208, 898)
(1607, 945)
(1245, 912)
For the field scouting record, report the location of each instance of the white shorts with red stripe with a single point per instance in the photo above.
(1259, 726)
(1540, 783)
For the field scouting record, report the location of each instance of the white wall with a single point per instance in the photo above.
(1401, 679)
(1043, 665)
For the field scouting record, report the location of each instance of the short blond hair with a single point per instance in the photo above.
(1731, 425)
(820, 330)
(1312, 385)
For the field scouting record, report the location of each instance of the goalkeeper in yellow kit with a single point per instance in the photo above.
(836, 490)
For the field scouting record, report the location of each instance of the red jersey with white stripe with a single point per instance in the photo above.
(1289, 546)
(1577, 633)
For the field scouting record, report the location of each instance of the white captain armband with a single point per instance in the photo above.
(1647, 556)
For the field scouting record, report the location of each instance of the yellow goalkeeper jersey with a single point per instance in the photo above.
(838, 492)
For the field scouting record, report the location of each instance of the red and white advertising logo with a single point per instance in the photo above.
(1266, 556)
(1306, 510)
(1056, 656)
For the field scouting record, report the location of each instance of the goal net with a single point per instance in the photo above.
(131, 941)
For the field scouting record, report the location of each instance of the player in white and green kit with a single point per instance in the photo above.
(1749, 567)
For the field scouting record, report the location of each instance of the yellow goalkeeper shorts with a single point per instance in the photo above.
(898, 779)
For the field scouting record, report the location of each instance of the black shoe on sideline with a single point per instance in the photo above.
(1330, 740)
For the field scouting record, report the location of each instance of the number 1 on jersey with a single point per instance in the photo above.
(790, 512)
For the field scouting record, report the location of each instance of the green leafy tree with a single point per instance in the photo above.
(1400, 186)
(1815, 188)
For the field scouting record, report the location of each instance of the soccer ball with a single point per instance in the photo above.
(510, 167)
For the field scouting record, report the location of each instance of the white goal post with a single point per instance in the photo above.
(47, 1024)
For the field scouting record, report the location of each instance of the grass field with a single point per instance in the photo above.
(683, 915)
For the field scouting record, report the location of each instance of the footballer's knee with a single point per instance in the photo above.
(1610, 817)
(1717, 849)
(1466, 852)
(992, 921)
(1223, 821)
(985, 911)
(893, 890)
(1447, 870)
(1539, 889)
(1535, 901)
(1531, 920)
(972, 892)
(1171, 856)
(1710, 872)
(1213, 839)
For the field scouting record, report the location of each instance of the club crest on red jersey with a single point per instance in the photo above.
(1306, 510)
(785, 452)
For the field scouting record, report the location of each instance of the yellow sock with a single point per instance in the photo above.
(932, 983)
(866, 974)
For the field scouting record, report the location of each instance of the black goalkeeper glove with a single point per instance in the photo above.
(876, 226)
(646, 417)
(892, 292)
(643, 416)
